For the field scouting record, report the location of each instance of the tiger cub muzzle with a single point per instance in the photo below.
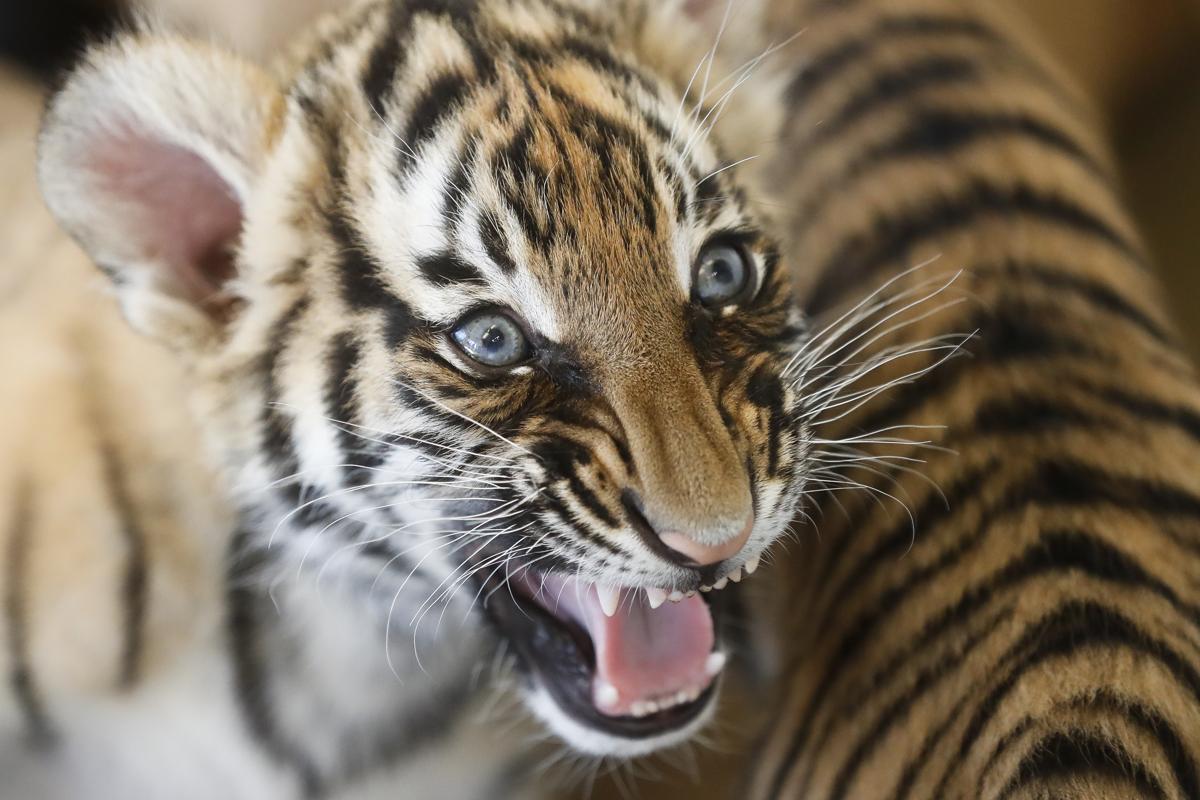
(638, 662)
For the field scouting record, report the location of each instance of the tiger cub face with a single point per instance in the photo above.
(472, 300)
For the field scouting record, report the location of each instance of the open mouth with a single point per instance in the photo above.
(634, 664)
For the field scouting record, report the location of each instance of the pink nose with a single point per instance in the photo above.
(705, 554)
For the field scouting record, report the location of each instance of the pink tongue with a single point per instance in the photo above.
(644, 654)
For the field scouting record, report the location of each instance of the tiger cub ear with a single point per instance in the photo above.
(148, 156)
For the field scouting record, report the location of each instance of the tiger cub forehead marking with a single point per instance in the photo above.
(510, 157)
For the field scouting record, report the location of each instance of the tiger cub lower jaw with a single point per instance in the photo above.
(479, 311)
(615, 671)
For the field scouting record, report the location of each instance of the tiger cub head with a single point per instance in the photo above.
(472, 297)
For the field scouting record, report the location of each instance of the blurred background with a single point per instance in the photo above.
(1139, 61)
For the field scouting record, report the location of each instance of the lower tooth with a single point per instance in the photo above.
(607, 696)
(675, 596)
(715, 663)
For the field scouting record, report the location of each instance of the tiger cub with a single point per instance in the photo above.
(499, 364)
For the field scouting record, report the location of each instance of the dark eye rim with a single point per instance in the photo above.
(479, 366)
(733, 241)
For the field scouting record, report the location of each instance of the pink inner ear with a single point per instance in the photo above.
(185, 217)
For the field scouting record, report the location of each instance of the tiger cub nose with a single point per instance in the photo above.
(704, 553)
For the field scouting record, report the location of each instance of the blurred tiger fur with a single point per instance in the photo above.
(1034, 630)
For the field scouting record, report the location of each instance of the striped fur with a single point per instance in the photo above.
(1034, 633)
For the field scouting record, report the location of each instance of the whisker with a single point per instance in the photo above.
(853, 313)
(717, 172)
(466, 418)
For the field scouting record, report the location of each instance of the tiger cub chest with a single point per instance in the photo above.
(286, 694)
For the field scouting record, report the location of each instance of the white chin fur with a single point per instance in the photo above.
(593, 742)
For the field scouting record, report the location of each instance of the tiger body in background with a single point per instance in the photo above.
(1032, 633)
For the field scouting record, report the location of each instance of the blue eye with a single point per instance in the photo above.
(491, 338)
(722, 275)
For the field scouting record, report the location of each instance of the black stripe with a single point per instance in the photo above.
(1072, 483)
(765, 391)
(341, 399)
(572, 415)
(1071, 755)
(133, 585)
(887, 87)
(276, 425)
(382, 66)
(1029, 415)
(1090, 290)
(361, 282)
(938, 131)
(39, 732)
(1183, 765)
(458, 187)
(891, 237)
(599, 58)
(494, 242)
(342, 360)
(447, 269)
(1146, 409)
(441, 98)
(825, 69)
(935, 133)
(400, 322)
(518, 164)
(602, 135)
(828, 66)
(560, 457)
(246, 641)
